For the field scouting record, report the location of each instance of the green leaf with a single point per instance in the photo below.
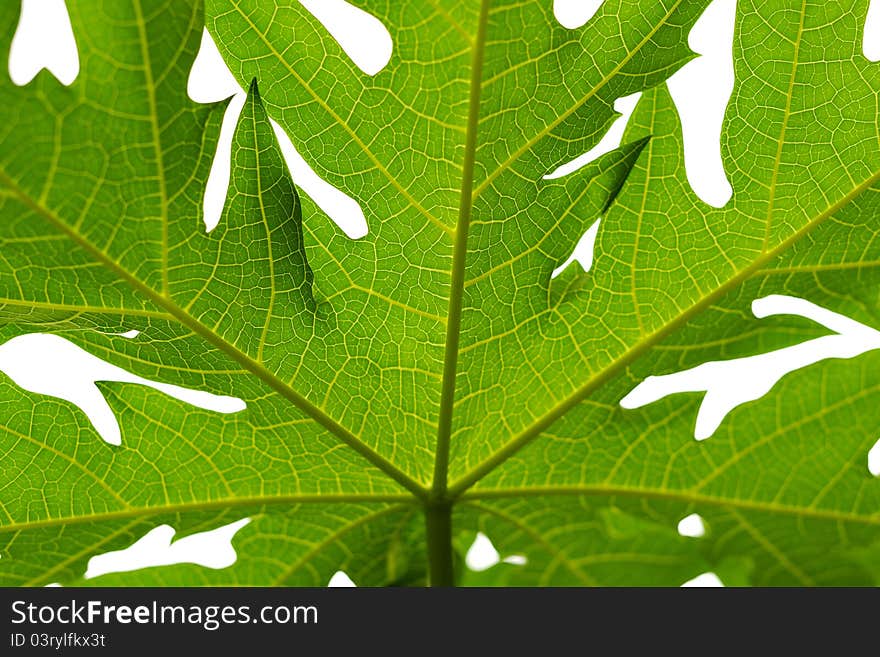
(782, 485)
(136, 255)
(430, 379)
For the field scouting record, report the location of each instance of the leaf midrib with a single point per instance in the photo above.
(253, 99)
(254, 367)
(519, 441)
(786, 117)
(602, 490)
(212, 505)
(150, 86)
(83, 309)
(469, 194)
(459, 263)
(527, 435)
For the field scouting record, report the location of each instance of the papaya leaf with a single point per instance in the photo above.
(432, 378)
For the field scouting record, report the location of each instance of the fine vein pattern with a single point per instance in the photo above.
(431, 380)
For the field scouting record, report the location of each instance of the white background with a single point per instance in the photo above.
(50, 365)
